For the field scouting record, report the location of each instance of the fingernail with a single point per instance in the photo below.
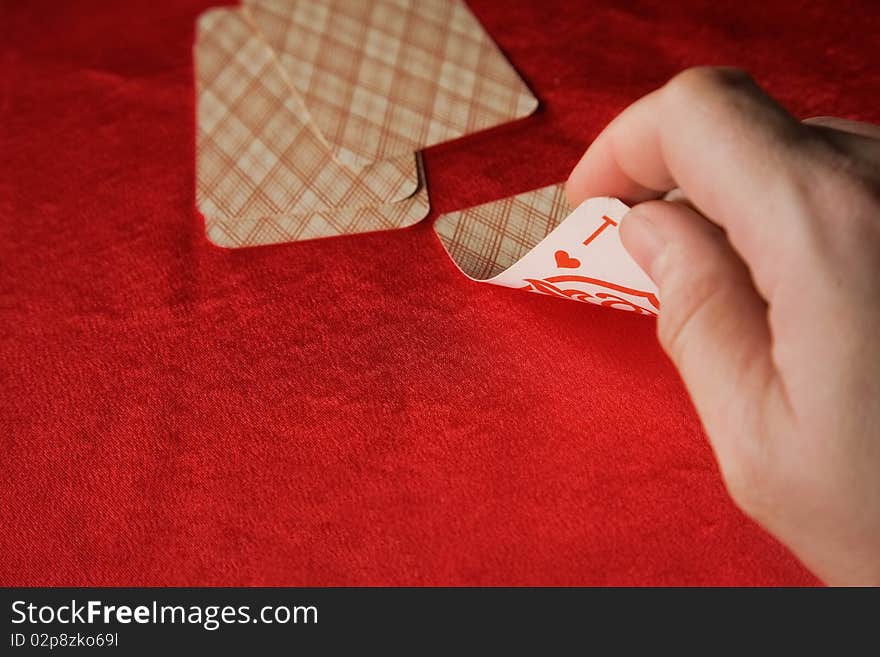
(644, 241)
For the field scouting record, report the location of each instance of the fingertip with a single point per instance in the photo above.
(571, 193)
(676, 219)
(642, 240)
(576, 184)
(652, 228)
(568, 190)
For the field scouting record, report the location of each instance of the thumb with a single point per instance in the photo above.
(712, 321)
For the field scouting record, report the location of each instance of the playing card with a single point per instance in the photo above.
(273, 229)
(384, 78)
(257, 156)
(532, 242)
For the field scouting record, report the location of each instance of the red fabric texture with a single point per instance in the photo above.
(351, 410)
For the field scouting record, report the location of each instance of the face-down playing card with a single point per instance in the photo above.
(264, 172)
(276, 229)
(384, 78)
(534, 242)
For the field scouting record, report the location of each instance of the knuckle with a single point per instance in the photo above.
(700, 82)
(672, 329)
(675, 328)
(835, 206)
(847, 173)
(692, 298)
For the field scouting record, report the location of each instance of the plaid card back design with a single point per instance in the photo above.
(486, 239)
(382, 78)
(257, 155)
(275, 229)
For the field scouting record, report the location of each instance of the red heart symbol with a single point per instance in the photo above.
(566, 261)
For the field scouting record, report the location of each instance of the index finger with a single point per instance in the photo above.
(716, 135)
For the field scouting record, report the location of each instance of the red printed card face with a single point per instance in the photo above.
(527, 242)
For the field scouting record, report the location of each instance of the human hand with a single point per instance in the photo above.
(769, 279)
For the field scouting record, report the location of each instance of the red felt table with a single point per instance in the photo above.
(351, 410)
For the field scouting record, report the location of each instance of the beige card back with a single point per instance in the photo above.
(257, 155)
(382, 78)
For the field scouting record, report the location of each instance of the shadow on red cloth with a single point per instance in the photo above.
(351, 410)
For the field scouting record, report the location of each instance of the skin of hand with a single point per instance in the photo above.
(769, 279)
